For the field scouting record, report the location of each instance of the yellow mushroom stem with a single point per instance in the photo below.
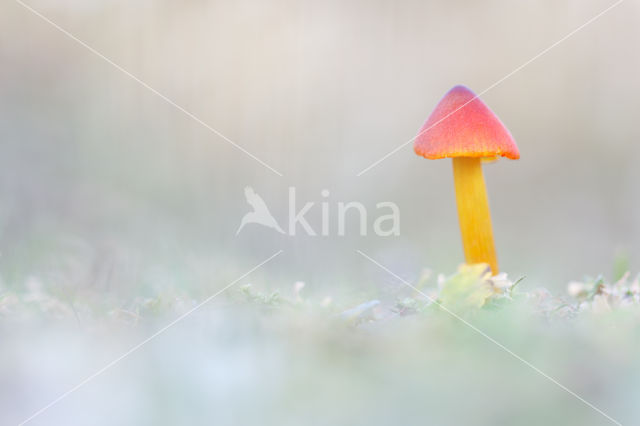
(473, 212)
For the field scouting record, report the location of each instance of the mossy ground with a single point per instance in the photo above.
(464, 349)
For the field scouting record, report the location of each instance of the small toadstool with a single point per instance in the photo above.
(463, 128)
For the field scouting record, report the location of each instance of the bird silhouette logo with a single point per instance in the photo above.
(260, 214)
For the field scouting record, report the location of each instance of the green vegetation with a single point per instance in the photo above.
(470, 341)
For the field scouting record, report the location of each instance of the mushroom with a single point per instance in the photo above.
(464, 128)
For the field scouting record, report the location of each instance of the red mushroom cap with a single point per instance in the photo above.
(463, 126)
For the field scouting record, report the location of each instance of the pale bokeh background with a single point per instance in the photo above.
(101, 175)
(118, 212)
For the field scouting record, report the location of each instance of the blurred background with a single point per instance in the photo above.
(107, 189)
(97, 170)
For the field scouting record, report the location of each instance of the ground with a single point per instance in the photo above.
(467, 349)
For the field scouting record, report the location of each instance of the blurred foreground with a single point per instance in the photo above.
(268, 358)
